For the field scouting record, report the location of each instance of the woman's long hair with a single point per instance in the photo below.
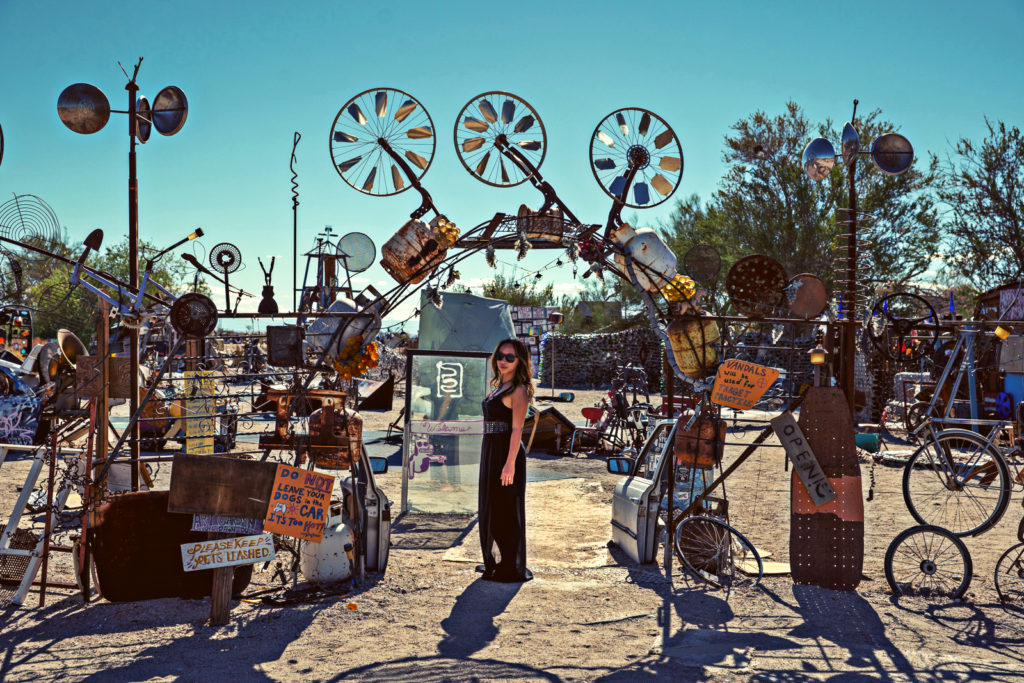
(523, 374)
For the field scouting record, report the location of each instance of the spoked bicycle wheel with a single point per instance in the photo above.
(928, 561)
(494, 118)
(365, 124)
(716, 553)
(636, 138)
(957, 482)
(1010, 576)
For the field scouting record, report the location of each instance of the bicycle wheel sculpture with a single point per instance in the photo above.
(491, 122)
(193, 315)
(928, 561)
(1009, 576)
(716, 553)
(903, 326)
(372, 122)
(636, 138)
(958, 482)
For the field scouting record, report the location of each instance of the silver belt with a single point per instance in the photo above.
(496, 427)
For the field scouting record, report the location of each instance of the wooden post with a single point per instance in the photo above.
(220, 591)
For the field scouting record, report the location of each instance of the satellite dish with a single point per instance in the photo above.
(755, 285)
(806, 296)
(356, 252)
(892, 153)
(83, 108)
(143, 120)
(170, 109)
(819, 158)
(636, 138)
(851, 144)
(702, 263)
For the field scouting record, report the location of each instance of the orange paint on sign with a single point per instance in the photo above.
(740, 384)
(299, 503)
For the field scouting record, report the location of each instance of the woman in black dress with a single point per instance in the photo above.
(503, 465)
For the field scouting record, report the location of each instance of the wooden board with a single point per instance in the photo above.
(208, 485)
(804, 463)
(740, 385)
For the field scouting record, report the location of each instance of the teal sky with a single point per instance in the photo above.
(256, 72)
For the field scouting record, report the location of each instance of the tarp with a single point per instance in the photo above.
(465, 322)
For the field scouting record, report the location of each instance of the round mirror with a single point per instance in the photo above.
(83, 108)
(851, 144)
(819, 158)
(170, 109)
(892, 153)
(143, 120)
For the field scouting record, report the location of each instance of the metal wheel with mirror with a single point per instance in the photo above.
(143, 120)
(497, 118)
(851, 144)
(892, 153)
(637, 138)
(83, 108)
(169, 110)
(1, 144)
(818, 159)
(367, 126)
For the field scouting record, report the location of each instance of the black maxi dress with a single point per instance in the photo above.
(502, 508)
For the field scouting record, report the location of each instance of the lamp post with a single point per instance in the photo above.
(85, 109)
(892, 154)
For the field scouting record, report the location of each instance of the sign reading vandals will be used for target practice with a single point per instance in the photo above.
(741, 385)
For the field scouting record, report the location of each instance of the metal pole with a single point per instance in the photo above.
(850, 329)
(133, 277)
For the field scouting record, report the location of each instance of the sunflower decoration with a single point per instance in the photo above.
(355, 359)
(445, 232)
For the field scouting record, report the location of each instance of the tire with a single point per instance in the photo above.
(966, 507)
(714, 552)
(928, 561)
(916, 415)
(1009, 576)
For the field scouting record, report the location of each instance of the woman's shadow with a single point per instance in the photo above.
(470, 626)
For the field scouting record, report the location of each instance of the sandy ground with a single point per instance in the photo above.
(590, 614)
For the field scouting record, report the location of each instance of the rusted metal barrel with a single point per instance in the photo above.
(411, 253)
(692, 338)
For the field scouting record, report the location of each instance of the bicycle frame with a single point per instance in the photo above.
(81, 272)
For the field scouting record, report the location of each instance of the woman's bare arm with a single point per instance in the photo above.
(519, 404)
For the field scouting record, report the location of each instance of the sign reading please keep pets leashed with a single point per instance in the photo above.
(225, 552)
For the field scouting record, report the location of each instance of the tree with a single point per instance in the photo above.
(765, 204)
(982, 185)
(48, 285)
(525, 293)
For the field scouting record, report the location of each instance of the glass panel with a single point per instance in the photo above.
(444, 433)
(650, 457)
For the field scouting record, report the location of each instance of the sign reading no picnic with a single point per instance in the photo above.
(741, 385)
(299, 503)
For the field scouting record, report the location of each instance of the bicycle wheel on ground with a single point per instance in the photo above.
(1010, 576)
(928, 561)
(716, 553)
(958, 482)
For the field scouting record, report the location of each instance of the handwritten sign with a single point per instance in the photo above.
(804, 463)
(225, 552)
(227, 525)
(200, 428)
(447, 427)
(741, 385)
(299, 502)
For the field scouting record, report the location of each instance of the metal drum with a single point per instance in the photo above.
(411, 253)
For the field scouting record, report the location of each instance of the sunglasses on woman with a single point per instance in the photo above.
(507, 357)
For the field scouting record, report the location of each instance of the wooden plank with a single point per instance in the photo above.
(805, 464)
(209, 485)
